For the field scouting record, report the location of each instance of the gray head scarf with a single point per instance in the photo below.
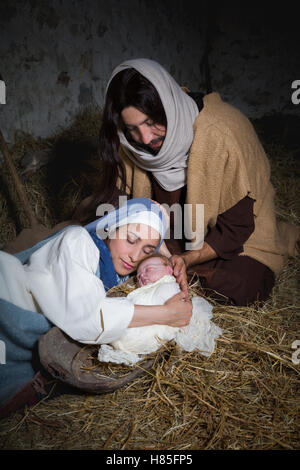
(169, 165)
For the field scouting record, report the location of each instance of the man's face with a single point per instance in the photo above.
(151, 270)
(142, 129)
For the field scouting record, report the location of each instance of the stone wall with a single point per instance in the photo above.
(56, 56)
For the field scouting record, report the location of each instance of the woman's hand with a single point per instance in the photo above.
(179, 271)
(179, 310)
(176, 311)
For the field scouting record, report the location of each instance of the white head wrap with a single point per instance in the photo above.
(138, 210)
(169, 165)
(147, 218)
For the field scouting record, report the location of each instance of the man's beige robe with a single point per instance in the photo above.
(226, 163)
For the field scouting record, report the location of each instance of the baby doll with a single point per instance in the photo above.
(156, 285)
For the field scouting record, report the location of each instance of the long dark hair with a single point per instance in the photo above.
(127, 88)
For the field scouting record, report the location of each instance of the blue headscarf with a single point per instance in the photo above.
(138, 210)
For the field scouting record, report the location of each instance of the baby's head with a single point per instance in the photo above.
(152, 269)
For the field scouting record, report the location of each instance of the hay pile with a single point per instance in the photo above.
(56, 189)
(245, 396)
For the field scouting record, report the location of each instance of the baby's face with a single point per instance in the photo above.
(151, 270)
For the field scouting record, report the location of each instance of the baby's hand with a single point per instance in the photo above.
(179, 271)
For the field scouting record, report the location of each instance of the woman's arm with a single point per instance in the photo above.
(175, 312)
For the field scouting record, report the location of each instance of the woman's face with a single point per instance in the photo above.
(142, 129)
(130, 244)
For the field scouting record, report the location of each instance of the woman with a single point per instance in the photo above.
(65, 279)
(157, 140)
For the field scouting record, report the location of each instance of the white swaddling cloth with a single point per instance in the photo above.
(199, 334)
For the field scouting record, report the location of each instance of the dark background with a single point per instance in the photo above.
(56, 56)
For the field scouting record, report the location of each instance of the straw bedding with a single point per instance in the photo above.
(245, 396)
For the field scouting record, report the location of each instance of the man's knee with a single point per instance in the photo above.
(240, 281)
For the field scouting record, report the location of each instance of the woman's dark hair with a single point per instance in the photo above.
(127, 88)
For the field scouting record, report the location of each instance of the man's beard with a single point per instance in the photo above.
(145, 147)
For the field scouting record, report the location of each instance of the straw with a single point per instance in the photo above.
(245, 396)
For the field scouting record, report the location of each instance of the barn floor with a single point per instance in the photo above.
(245, 396)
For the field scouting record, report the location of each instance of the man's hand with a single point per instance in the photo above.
(179, 271)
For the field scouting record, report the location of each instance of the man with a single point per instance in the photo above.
(157, 141)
